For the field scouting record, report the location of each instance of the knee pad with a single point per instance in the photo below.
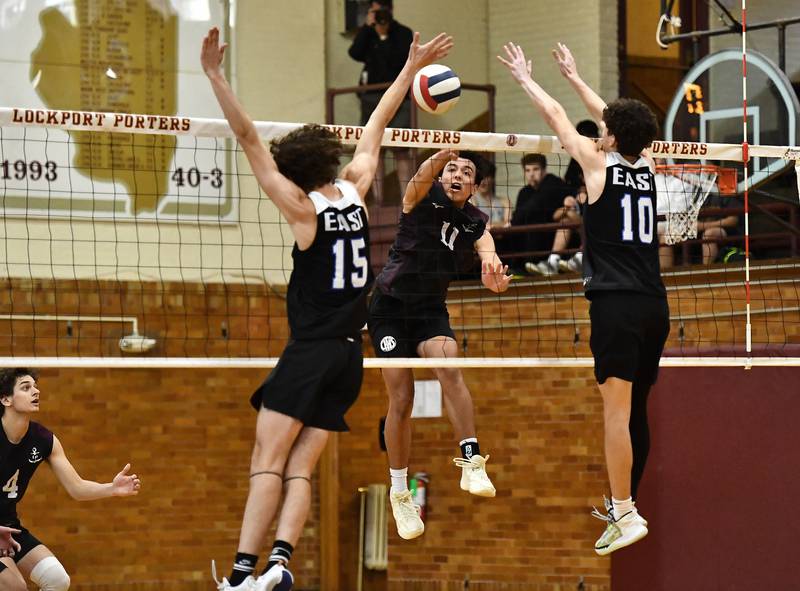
(50, 575)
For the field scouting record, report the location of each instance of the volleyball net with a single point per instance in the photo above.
(144, 240)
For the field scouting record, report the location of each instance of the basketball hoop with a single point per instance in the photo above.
(696, 182)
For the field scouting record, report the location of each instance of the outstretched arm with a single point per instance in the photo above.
(287, 196)
(569, 69)
(579, 147)
(361, 169)
(428, 172)
(494, 274)
(123, 485)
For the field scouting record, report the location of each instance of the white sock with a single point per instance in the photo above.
(399, 479)
(578, 257)
(622, 507)
(553, 259)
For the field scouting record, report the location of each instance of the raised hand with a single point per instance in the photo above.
(423, 55)
(124, 484)
(565, 61)
(516, 63)
(8, 545)
(495, 276)
(212, 53)
(446, 154)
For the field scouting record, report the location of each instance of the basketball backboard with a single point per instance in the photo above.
(707, 107)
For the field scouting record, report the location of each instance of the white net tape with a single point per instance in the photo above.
(536, 324)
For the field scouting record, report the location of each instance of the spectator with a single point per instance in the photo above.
(537, 203)
(569, 213)
(674, 195)
(497, 207)
(382, 45)
(574, 175)
(717, 227)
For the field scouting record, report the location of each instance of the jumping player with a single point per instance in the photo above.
(318, 376)
(24, 446)
(622, 279)
(439, 233)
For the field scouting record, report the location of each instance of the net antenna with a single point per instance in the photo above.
(686, 187)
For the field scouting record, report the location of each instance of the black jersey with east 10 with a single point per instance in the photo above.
(621, 246)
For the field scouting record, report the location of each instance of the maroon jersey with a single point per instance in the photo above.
(18, 462)
(435, 243)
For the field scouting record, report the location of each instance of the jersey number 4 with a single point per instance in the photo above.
(358, 276)
(645, 219)
(11, 486)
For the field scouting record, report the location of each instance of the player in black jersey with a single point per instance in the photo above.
(318, 376)
(24, 446)
(439, 233)
(622, 279)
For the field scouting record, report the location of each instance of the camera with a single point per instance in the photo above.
(383, 16)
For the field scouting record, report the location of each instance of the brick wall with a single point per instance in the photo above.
(188, 433)
(543, 431)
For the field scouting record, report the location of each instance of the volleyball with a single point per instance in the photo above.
(436, 89)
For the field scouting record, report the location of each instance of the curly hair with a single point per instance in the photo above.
(8, 379)
(632, 123)
(308, 156)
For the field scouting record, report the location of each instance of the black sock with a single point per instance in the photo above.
(281, 552)
(243, 565)
(469, 448)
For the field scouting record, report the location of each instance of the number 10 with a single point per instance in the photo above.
(645, 221)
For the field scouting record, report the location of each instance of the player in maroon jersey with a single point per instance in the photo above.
(24, 446)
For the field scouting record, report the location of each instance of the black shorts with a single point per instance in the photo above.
(315, 381)
(396, 327)
(629, 330)
(25, 539)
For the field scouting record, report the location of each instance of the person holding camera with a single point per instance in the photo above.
(382, 45)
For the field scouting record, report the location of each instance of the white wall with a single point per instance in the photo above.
(285, 55)
(587, 27)
(465, 20)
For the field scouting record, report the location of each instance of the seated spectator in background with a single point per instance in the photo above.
(574, 175)
(537, 203)
(717, 227)
(497, 207)
(570, 212)
(382, 45)
(674, 196)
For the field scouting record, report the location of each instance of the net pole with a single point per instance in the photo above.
(745, 160)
